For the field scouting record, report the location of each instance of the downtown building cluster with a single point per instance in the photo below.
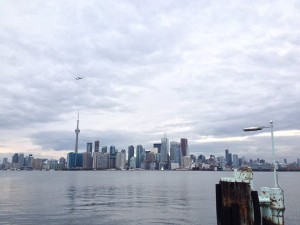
(140, 159)
(163, 156)
(21, 162)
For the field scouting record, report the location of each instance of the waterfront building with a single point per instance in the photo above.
(164, 149)
(175, 152)
(95, 160)
(184, 146)
(21, 160)
(52, 164)
(5, 160)
(121, 160)
(132, 163)
(174, 166)
(229, 159)
(130, 153)
(226, 155)
(89, 147)
(97, 146)
(235, 160)
(103, 161)
(15, 158)
(27, 162)
(113, 153)
(185, 162)
(79, 160)
(37, 164)
(87, 160)
(62, 161)
(150, 160)
(140, 157)
(74, 161)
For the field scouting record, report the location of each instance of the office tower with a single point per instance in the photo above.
(104, 149)
(21, 160)
(121, 160)
(62, 161)
(184, 146)
(28, 161)
(186, 162)
(226, 155)
(5, 160)
(158, 146)
(150, 160)
(79, 160)
(97, 146)
(175, 152)
(77, 132)
(37, 164)
(87, 160)
(15, 158)
(130, 153)
(140, 158)
(164, 149)
(285, 161)
(101, 161)
(229, 162)
(74, 161)
(89, 147)
(71, 161)
(132, 163)
(235, 160)
(95, 160)
(112, 153)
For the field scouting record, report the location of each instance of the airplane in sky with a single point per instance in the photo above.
(79, 78)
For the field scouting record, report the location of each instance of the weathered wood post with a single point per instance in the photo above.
(236, 202)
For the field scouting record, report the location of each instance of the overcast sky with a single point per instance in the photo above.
(202, 70)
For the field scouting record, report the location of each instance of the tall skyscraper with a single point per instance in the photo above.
(89, 147)
(77, 131)
(140, 156)
(164, 148)
(226, 155)
(184, 146)
(130, 153)
(97, 146)
(15, 158)
(121, 160)
(87, 160)
(112, 153)
(71, 161)
(175, 152)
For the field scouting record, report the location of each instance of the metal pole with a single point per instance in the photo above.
(273, 152)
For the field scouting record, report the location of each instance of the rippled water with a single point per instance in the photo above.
(122, 197)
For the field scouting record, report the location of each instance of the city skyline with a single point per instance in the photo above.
(196, 70)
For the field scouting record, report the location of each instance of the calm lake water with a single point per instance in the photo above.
(124, 197)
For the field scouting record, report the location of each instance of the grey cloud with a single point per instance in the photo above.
(218, 66)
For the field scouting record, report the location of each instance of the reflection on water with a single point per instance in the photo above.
(128, 203)
(122, 197)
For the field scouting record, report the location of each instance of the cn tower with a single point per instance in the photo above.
(77, 131)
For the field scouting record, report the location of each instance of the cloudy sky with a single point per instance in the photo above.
(202, 70)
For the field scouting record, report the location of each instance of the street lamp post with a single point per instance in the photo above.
(273, 147)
